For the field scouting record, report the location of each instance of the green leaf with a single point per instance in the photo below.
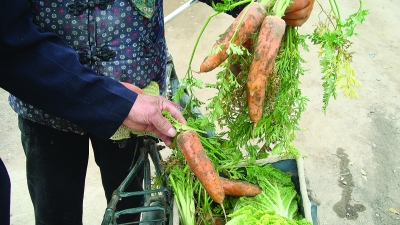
(178, 125)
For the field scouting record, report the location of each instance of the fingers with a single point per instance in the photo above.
(296, 22)
(163, 125)
(146, 114)
(297, 5)
(151, 107)
(171, 108)
(298, 13)
(164, 138)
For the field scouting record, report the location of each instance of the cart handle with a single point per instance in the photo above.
(179, 10)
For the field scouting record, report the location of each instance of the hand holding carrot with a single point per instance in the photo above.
(249, 21)
(299, 12)
(146, 115)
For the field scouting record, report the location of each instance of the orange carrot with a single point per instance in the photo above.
(266, 50)
(256, 104)
(239, 188)
(249, 21)
(202, 167)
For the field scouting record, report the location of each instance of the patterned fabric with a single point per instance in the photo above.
(115, 40)
(146, 7)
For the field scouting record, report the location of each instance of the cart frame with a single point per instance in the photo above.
(157, 203)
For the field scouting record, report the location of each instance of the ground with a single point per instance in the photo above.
(352, 160)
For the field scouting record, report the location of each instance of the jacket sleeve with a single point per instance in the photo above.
(234, 12)
(39, 68)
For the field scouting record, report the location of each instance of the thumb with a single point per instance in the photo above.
(164, 126)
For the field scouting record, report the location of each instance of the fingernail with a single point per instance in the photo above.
(171, 132)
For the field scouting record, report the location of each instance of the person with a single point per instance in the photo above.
(5, 192)
(19, 41)
(85, 43)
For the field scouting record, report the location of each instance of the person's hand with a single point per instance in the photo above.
(298, 12)
(146, 115)
(132, 87)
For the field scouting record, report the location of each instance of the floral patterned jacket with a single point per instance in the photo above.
(110, 36)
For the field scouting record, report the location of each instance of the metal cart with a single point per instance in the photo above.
(157, 206)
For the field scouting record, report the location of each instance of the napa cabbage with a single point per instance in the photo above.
(248, 215)
(278, 203)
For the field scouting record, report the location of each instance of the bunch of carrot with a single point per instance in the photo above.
(252, 20)
(190, 145)
(260, 33)
(217, 187)
(259, 53)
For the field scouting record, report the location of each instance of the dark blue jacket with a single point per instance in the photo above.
(41, 69)
(111, 37)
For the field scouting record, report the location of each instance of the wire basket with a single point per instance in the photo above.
(157, 204)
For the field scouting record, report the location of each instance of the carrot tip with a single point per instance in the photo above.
(198, 72)
(254, 128)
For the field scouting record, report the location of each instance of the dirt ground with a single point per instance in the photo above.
(353, 160)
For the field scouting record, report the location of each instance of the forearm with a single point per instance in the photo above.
(295, 15)
(97, 104)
